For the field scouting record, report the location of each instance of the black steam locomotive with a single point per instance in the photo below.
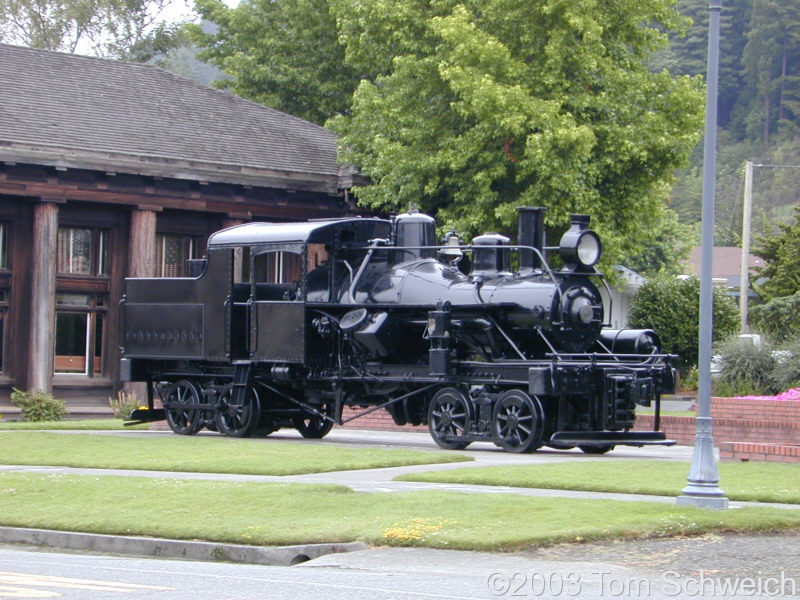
(287, 324)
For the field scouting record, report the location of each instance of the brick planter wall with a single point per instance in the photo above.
(745, 451)
(743, 429)
(378, 419)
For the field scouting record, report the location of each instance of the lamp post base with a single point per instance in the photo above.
(704, 501)
(702, 490)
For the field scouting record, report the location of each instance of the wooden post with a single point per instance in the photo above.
(744, 280)
(43, 297)
(231, 221)
(141, 263)
(142, 254)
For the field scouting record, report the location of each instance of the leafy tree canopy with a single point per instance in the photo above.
(282, 53)
(129, 29)
(478, 107)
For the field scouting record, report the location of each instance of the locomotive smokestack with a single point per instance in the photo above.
(531, 233)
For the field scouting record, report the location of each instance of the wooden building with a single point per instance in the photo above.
(111, 169)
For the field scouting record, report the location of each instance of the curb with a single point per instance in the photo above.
(163, 548)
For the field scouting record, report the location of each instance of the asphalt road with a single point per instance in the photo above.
(707, 567)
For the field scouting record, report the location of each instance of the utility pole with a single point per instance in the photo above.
(702, 489)
(744, 278)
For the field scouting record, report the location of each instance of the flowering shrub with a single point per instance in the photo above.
(792, 395)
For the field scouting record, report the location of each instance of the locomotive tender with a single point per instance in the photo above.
(286, 324)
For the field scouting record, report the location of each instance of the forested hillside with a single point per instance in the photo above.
(759, 110)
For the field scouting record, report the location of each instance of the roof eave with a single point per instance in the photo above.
(175, 168)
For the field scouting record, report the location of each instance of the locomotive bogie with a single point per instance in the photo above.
(286, 325)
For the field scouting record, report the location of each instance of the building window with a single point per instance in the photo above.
(79, 333)
(3, 247)
(3, 315)
(173, 252)
(82, 251)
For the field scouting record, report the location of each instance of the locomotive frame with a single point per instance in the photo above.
(371, 318)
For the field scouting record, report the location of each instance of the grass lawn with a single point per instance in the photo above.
(259, 513)
(666, 413)
(77, 425)
(756, 481)
(205, 454)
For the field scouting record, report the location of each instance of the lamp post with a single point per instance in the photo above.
(703, 489)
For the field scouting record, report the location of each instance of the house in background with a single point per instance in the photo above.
(619, 302)
(111, 169)
(726, 268)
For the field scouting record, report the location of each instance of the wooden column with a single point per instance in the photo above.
(142, 254)
(141, 263)
(231, 221)
(43, 297)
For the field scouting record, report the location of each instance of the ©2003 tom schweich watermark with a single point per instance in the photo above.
(605, 584)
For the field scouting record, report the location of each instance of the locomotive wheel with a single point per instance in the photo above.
(596, 449)
(449, 414)
(517, 422)
(314, 427)
(237, 420)
(182, 419)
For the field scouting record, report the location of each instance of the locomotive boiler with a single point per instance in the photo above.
(289, 324)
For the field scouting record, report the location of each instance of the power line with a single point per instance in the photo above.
(777, 166)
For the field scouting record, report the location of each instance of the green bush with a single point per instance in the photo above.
(37, 405)
(787, 367)
(746, 368)
(689, 381)
(736, 389)
(671, 307)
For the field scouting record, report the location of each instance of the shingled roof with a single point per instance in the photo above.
(74, 111)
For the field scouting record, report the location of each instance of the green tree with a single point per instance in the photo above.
(488, 105)
(771, 60)
(671, 307)
(131, 29)
(779, 318)
(666, 251)
(688, 52)
(282, 53)
(782, 255)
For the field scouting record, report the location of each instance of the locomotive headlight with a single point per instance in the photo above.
(580, 245)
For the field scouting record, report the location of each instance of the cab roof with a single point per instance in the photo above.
(331, 231)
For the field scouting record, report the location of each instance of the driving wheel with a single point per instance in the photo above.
(449, 415)
(517, 422)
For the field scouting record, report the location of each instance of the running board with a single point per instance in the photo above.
(605, 438)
